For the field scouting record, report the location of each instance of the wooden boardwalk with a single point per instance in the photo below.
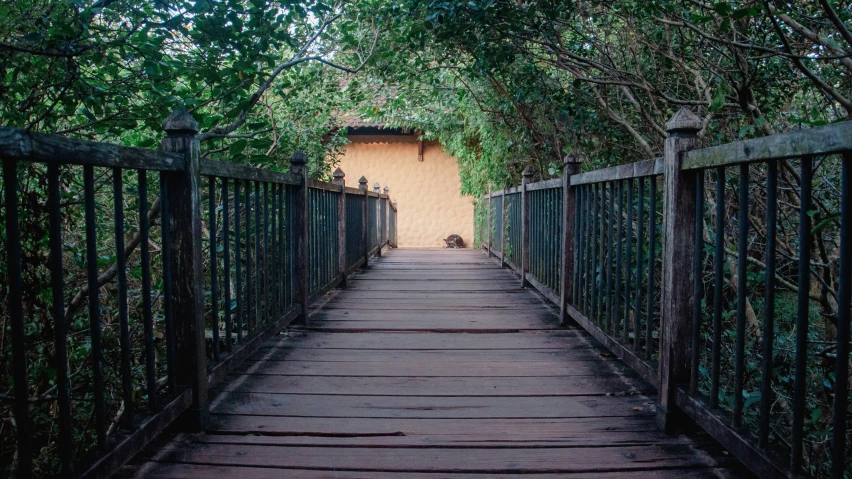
(433, 363)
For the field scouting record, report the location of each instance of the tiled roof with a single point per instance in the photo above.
(358, 122)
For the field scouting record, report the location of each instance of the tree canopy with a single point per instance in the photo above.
(501, 84)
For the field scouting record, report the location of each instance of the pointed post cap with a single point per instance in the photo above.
(180, 121)
(362, 182)
(572, 157)
(338, 173)
(376, 186)
(386, 190)
(684, 121)
(528, 171)
(298, 158)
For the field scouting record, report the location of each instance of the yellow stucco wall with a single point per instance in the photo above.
(427, 193)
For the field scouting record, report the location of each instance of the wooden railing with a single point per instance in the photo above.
(228, 273)
(635, 256)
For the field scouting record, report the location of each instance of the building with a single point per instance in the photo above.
(423, 180)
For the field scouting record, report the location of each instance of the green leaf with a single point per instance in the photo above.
(745, 12)
(824, 222)
(238, 146)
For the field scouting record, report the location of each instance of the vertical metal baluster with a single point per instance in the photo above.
(273, 255)
(628, 260)
(556, 194)
(121, 283)
(214, 284)
(147, 313)
(640, 240)
(240, 316)
(652, 261)
(742, 293)
(282, 251)
(285, 238)
(312, 239)
(60, 323)
(844, 293)
(266, 310)
(769, 300)
(94, 306)
(578, 247)
(249, 292)
(324, 237)
(594, 254)
(555, 214)
(589, 229)
(698, 282)
(617, 316)
(16, 320)
(600, 245)
(801, 360)
(226, 258)
(167, 288)
(258, 253)
(718, 276)
(610, 236)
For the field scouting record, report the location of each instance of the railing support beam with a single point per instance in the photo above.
(571, 167)
(365, 221)
(187, 301)
(488, 226)
(525, 226)
(299, 222)
(677, 295)
(339, 179)
(503, 229)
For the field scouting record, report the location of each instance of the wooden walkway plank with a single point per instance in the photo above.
(434, 363)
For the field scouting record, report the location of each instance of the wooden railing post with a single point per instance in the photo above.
(525, 225)
(377, 190)
(569, 213)
(677, 295)
(299, 225)
(365, 221)
(339, 179)
(385, 234)
(503, 229)
(488, 214)
(185, 264)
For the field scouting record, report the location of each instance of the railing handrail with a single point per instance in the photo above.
(25, 145)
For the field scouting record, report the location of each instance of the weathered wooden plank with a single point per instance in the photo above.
(603, 384)
(266, 404)
(584, 432)
(822, 140)
(322, 185)
(449, 285)
(437, 341)
(580, 352)
(394, 296)
(404, 460)
(639, 169)
(431, 369)
(436, 327)
(469, 430)
(545, 185)
(31, 146)
(195, 471)
(223, 169)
